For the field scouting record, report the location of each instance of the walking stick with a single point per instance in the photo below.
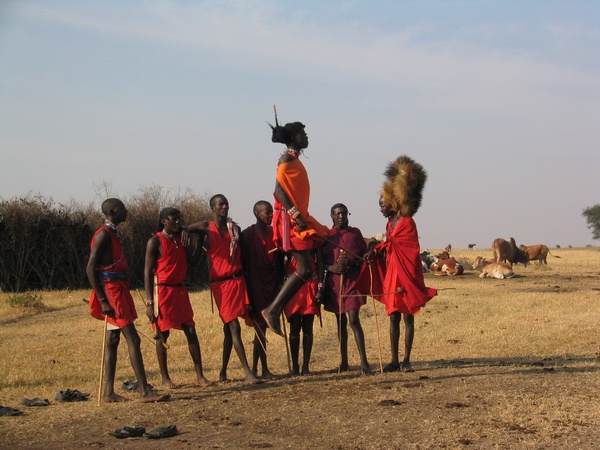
(287, 345)
(376, 320)
(340, 301)
(102, 362)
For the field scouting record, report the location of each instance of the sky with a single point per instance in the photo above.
(498, 100)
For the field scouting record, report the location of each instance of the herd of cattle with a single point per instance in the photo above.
(505, 254)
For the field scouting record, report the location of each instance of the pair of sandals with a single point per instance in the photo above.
(37, 401)
(156, 433)
(403, 367)
(71, 395)
(8, 411)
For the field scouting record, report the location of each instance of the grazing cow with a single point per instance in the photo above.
(492, 269)
(471, 246)
(448, 266)
(537, 252)
(507, 251)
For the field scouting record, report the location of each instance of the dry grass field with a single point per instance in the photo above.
(500, 364)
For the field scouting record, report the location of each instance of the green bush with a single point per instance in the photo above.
(26, 300)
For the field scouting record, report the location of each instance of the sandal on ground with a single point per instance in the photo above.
(133, 385)
(35, 401)
(391, 367)
(162, 432)
(128, 432)
(71, 396)
(8, 411)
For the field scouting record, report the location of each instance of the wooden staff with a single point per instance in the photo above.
(340, 301)
(102, 362)
(376, 320)
(287, 344)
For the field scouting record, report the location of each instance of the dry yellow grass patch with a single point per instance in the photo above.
(500, 364)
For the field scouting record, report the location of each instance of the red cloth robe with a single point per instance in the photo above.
(116, 290)
(226, 278)
(263, 271)
(303, 302)
(401, 269)
(351, 239)
(174, 307)
(293, 178)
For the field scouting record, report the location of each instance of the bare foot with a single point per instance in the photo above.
(406, 367)
(268, 375)
(113, 398)
(251, 379)
(341, 368)
(305, 371)
(168, 384)
(152, 397)
(223, 377)
(272, 322)
(366, 370)
(203, 382)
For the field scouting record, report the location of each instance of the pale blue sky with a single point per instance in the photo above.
(500, 102)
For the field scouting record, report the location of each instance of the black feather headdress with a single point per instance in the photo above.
(403, 189)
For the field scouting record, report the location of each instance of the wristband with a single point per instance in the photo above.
(149, 303)
(293, 210)
(296, 214)
(103, 299)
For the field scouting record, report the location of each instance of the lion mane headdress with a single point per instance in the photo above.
(403, 189)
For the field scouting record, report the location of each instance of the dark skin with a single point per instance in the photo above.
(339, 216)
(302, 323)
(303, 257)
(231, 331)
(409, 319)
(173, 225)
(101, 255)
(264, 218)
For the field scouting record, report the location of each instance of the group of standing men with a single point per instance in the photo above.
(248, 278)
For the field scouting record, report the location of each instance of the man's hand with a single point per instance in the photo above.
(340, 267)
(107, 310)
(300, 223)
(150, 313)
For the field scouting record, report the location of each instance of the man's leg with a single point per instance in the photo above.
(342, 322)
(394, 340)
(110, 365)
(161, 355)
(293, 283)
(238, 345)
(359, 337)
(135, 356)
(227, 346)
(194, 348)
(295, 327)
(262, 354)
(307, 342)
(409, 335)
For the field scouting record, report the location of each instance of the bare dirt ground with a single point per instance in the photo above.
(500, 364)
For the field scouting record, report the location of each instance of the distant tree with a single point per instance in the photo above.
(592, 215)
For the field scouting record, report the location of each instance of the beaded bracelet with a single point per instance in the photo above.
(293, 210)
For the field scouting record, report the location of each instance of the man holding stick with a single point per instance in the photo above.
(263, 270)
(342, 261)
(168, 303)
(111, 302)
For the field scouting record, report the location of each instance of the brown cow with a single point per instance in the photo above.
(537, 252)
(507, 251)
(492, 269)
(449, 266)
